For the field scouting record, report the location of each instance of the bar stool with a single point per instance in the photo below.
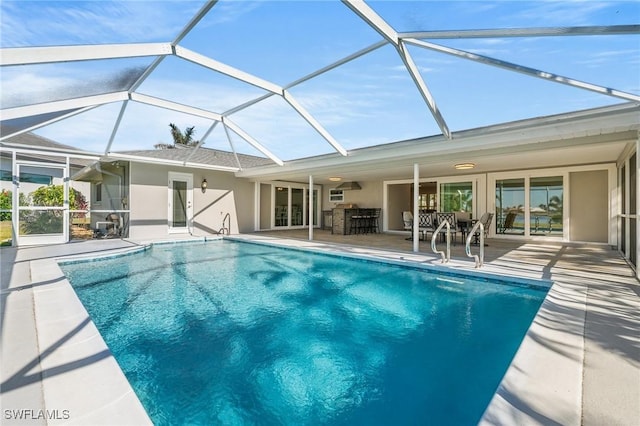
(355, 223)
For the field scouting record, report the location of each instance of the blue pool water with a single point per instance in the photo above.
(235, 333)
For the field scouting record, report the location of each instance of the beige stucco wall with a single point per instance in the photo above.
(399, 199)
(265, 203)
(225, 194)
(370, 196)
(588, 206)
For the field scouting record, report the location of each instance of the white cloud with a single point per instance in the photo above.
(40, 23)
(230, 11)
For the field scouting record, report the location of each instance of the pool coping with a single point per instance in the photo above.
(543, 385)
(93, 389)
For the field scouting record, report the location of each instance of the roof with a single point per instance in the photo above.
(34, 140)
(268, 79)
(202, 155)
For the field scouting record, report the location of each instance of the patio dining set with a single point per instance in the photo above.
(459, 222)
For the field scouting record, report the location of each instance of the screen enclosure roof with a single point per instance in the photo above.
(292, 80)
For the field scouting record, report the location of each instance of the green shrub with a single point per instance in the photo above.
(5, 204)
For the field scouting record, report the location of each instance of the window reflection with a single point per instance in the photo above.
(456, 197)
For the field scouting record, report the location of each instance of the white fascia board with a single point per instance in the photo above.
(374, 20)
(67, 104)
(174, 106)
(601, 125)
(532, 72)
(424, 90)
(526, 32)
(140, 159)
(53, 54)
(314, 123)
(214, 65)
(244, 135)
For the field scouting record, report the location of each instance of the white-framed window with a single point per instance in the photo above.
(336, 195)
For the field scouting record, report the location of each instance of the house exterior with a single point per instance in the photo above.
(569, 178)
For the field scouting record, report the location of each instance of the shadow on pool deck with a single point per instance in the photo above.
(602, 341)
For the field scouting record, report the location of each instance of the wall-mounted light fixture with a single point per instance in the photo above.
(203, 185)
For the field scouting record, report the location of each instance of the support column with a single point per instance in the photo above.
(637, 215)
(15, 217)
(311, 212)
(416, 218)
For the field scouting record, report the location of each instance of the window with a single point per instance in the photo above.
(456, 197)
(98, 192)
(336, 195)
(5, 175)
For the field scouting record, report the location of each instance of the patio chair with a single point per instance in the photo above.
(486, 220)
(426, 224)
(508, 221)
(114, 229)
(453, 223)
(407, 222)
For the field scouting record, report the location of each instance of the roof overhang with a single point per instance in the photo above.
(580, 137)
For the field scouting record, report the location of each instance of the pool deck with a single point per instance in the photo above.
(578, 365)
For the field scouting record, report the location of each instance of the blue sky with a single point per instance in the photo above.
(368, 101)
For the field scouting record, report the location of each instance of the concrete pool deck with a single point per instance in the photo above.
(578, 364)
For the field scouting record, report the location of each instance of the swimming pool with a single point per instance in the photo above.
(237, 333)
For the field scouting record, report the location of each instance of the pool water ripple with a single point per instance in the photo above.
(235, 333)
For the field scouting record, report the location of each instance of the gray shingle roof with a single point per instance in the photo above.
(206, 156)
(32, 139)
(212, 157)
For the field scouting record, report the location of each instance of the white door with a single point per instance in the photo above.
(180, 202)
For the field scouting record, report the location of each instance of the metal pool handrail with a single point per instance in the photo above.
(445, 258)
(467, 248)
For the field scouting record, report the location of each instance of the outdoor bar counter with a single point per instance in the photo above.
(341, 218)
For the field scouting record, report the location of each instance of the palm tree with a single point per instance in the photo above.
(180, 139)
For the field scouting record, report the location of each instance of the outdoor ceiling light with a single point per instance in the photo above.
(464, 166)
(335, 179)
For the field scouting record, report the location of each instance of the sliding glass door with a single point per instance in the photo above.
(291, 204)
(546, 195)
(530, 206)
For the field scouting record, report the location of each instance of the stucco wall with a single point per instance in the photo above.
(399, 199)
(225, 194)
(370, 196)
(589, 219)
(265, 203)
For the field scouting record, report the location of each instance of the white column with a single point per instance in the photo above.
(416, 218)
(65, 200)
(310, 212)
(15, 216)
(256, 206)
(637, 206)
